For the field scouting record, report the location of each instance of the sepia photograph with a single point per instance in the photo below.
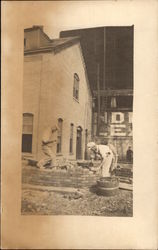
(79, 124)
(77, 144)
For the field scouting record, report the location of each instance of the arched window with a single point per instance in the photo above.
(76, 87)
(59, 137)
(71, 138)
(27, 133)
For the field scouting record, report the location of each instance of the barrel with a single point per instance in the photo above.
(108, 186)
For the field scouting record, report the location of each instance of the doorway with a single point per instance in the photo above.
(79, 143)
(86, 141)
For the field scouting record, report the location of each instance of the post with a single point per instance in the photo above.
(104, 40)
(98, 97)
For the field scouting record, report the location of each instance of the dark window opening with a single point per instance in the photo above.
(86, 141)
(26, 143)
(71, 139)
(122, 102)
(24, 42)
(27, 133)
(59, 137)
(79, 143)
(125, 101)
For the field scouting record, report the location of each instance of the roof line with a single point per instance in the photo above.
(99, 27)
(52, 47)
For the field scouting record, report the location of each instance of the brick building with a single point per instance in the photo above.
(108, 54)
(55, 91)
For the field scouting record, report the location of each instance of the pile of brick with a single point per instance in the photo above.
(71, 174)
(77, 177)
(124, 172)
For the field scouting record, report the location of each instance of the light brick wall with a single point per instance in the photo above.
(31, 92)
(48, 94)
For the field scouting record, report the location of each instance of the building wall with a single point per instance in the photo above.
(48, 94)
(31, 92)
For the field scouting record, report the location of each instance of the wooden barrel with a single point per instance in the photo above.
(108, 186)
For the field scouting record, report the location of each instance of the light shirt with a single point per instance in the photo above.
(48, 135)
(103, 150)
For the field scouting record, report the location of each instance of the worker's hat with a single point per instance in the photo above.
(91, 145)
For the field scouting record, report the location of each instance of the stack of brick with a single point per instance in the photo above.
(124, 172)
(76, 178)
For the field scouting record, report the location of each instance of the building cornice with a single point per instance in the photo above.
(114, 92)
(53, 48)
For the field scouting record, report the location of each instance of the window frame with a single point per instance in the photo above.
(59, 136)
(76, 84)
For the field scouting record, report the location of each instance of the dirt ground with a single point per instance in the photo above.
(35, 202)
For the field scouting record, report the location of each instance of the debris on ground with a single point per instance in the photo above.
(65, 164)
(83, 202)
(74, 196)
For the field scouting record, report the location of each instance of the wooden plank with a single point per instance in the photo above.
(126, 186)
(114, 92)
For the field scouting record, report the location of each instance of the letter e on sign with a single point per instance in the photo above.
(117, 130)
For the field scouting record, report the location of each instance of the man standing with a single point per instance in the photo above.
(129, 155)
(49, 140)
(107, 157)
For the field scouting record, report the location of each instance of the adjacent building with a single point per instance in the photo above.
(55, 91)
(108, 54)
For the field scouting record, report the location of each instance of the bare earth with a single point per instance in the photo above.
(37, 202)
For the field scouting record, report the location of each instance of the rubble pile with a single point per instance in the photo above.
(72, 176)
(79, 203)
(83, 201)
(124, 172)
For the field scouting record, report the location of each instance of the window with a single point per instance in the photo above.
(76, 87)
(125, 102)
(24, 42)
(27, 133)
(71, 138)
(113, 102)
(59, 137)
(79, 143)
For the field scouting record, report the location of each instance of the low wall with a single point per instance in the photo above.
(77, 178)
